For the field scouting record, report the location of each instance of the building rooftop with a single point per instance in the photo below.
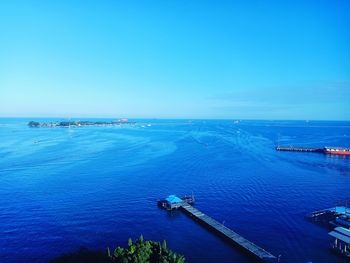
(341, 233)
(173, 199)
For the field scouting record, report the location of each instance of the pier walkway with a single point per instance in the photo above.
(299, 149)
(238, 240)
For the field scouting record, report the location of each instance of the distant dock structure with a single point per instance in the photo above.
(174, 202)
(338, 216)
(299, 149)
(325, 150)
(338, 220)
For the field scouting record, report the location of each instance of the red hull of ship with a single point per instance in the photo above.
(339, 152)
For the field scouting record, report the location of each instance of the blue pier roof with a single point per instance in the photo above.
(173, 199)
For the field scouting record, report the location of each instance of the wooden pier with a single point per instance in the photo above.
(246, 245)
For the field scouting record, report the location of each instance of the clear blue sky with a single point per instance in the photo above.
(175, 59)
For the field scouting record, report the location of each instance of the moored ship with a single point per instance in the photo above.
(337, 150)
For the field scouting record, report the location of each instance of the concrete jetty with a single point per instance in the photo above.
(246, 245)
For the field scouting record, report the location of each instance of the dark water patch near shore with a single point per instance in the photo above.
(83, 255)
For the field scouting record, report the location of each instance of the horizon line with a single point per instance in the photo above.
(170, 118)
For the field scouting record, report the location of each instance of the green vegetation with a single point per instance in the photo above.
(142, 251)
(33, 124)
(139, 251)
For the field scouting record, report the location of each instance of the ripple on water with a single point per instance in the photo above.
(96, 187)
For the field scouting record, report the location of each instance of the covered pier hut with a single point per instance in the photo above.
(171, 202)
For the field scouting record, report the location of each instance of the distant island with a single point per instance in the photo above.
(35, 124)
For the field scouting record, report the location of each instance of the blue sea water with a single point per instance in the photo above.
(66, 188)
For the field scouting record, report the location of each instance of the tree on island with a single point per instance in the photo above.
(139, 251)
(34, 124)
(142, 251)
